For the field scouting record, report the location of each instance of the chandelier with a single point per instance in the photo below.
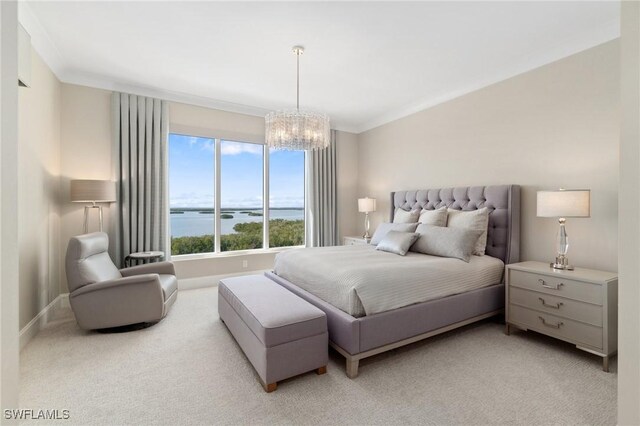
(296, 129)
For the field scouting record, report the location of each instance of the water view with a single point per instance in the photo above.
(192, 222)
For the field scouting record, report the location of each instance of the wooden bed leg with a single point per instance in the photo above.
(352, 368)
(321, 370)
(270, 387)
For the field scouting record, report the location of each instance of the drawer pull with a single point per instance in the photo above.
(558, 325)
(552, 287)
(544, 303)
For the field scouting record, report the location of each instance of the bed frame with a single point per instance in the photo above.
(358, 338)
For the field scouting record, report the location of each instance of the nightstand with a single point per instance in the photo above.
(352, 241)
(579, 306)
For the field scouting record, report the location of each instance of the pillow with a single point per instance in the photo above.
(473, 219)
(403, 216)
(397, 242)
(458, 243)
(434, 217)
(383, 228)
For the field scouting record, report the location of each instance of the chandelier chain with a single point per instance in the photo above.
(297, 80)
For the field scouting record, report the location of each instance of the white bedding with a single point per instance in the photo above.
(361, 280)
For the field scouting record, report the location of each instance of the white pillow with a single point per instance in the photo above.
(433, 217)
(403, 216)
(474, 219)
(385, 227)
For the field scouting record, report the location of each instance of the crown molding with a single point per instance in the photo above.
(587, 40)
(45, 47)
(102, 82)
(40, 40)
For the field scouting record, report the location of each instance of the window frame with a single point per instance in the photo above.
(218, 137)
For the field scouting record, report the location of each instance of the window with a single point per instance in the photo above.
(242, 206)
(200, 166)
(286, 198)
(191, 194)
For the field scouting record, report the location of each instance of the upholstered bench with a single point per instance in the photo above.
(281, 334)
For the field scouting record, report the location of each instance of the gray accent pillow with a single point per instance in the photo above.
(397, 242)
(403, 216)
(458, 243)
(383, 228)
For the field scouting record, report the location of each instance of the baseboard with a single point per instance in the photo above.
(29, 331)
(211, 280)
(62, 302)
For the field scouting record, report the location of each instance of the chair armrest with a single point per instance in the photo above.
(151, 280)
(164, 268)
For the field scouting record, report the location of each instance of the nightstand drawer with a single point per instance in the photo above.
(559, 306)
(563, 328)
(558, 286)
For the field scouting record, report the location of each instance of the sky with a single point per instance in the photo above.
(192, 173)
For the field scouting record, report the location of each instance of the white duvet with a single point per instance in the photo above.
(361, 280)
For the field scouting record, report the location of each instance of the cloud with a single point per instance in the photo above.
(192, 200)
(235, 148)
(207, 145)
(286, 201)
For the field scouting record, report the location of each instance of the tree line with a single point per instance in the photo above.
(282, 233)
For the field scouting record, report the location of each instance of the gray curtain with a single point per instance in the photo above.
(323, 197)
(140, 170)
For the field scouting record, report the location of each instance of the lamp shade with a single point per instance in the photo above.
(366, 205)
(564, 203)
(93, 191)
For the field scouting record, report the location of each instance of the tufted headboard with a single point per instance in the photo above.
(503, 201)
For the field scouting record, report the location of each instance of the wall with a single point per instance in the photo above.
(39, 183)
(86, 153)
(9, 286)
(556, 126)
(628, 290)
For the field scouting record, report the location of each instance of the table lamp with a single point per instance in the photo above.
(562, 204)
(92, 191)
(366, 205)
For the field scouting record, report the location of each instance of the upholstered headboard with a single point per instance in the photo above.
(503, 201)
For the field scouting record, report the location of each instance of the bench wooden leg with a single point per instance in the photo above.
(270, 387)
(321, 370)
(605, 364)
(352, 368)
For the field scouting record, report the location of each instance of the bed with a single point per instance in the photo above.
(361, 326)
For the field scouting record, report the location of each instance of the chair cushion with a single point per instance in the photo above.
(169, 284)
(98, 268)
(273, 313)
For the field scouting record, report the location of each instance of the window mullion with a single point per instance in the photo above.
(218, 198)
(265, 198)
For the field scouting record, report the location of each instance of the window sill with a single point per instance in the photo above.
(236, 253)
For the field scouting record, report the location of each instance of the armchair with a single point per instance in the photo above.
(101, 296)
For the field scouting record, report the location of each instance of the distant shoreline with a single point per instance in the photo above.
(179, 210)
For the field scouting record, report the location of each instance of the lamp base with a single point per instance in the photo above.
(561, 267)
(366, 235)
(562, 263)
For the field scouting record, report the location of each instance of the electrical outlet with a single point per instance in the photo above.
(245, 263)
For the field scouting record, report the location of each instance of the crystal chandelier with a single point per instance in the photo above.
(296, 129)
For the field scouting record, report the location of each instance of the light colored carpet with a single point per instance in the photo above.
(187, 369)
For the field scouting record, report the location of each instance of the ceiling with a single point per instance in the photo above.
(366, 63)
